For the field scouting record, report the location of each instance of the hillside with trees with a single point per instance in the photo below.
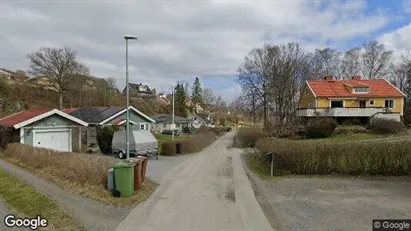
(70, 85)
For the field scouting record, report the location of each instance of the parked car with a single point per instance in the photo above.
(142, 143)
(169, 132)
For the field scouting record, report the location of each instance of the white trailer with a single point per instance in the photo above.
(142, 143)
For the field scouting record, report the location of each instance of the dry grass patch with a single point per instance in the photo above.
(84, 174)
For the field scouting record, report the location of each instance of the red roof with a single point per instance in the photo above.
(118, 122)
(339, 88)
(19, 117)
(69, 110)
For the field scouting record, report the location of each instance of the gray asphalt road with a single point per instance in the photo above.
(209, 191)
(157, 169)
(330, 203)
(4, 211)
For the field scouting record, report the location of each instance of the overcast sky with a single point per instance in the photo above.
(178, 40)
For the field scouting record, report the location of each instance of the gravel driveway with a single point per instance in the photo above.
(208, 191)
(332, 203)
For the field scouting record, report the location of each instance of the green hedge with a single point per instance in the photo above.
(168, 148)
(247, 136)
(320, 127)
(105, 137)
(191, 145)
(384, 126)
(386, 158)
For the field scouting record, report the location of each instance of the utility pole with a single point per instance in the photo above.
(172, 126)
(127, 37)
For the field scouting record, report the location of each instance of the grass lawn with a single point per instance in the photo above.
(163, 138)
(263, 169)
(27, 201)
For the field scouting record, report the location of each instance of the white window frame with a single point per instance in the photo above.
(142, 126)
(361, 92)
(393, 103)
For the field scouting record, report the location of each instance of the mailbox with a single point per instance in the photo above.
(270, 157)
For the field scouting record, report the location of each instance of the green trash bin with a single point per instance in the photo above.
(124, 178)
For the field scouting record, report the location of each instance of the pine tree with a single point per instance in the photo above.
(180, 107)
(196, 95)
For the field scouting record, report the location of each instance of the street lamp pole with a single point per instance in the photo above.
(172, 126)
(127, 37)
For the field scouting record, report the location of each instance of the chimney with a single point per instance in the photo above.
(356, 77)
(328, 78)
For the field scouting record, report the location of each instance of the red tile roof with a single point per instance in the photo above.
(118, 122)
(19, 117)
(338, 88)
(69, 110)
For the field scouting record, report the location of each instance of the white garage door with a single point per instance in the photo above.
(56, 140)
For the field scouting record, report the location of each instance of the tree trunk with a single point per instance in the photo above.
(60, 100)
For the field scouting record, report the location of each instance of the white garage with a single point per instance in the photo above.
(59, 140)
(51, 129)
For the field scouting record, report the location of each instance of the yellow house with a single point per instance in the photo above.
(355, 98)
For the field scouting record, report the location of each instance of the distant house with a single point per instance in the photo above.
(103, 116)
(163, 99)
(165, 121)
(138, 90)
(196, 106)
(52, 129)
(201, 119)
(354, 98)
(43, 82)
(11, 77)
(82, 82)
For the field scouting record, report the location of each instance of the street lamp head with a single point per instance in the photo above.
(126, 37)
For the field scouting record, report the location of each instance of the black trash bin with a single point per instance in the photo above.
(178, 148)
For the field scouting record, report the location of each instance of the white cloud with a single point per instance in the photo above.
(398, 40)
(176, 40)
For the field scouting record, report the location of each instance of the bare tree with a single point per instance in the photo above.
(398, 75)
(112, 88)
(209, 97)
(325, 62)
(286, 80)
(59, 64)
(351, 63)
(254, 76)
(376, 60)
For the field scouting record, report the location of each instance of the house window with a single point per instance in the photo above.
(389, 103)
(337, 103)
(372, 102)
(361, 90)
(142, 126)
(306, 91)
